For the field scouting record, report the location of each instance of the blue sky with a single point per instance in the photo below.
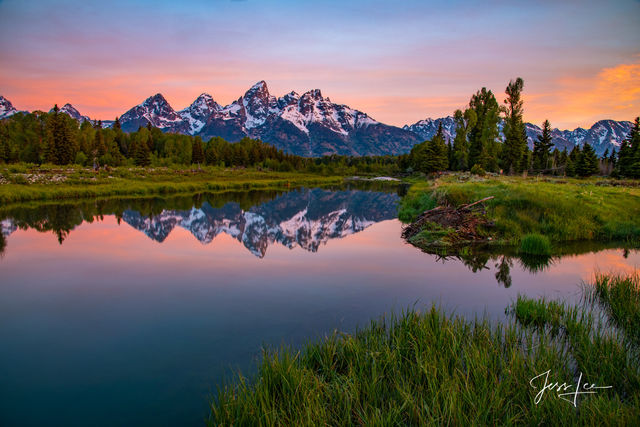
(399, 61)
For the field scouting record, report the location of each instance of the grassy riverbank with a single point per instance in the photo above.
(429, 368)
(20, 183)
(561, 210)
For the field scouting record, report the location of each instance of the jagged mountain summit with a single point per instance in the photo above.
(307, 124)
(72, 112)
(312, 125)
(6, 108)
(603, 135)
(157, 111)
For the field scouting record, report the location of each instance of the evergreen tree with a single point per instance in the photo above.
(437, 158)
(60, 138)
(587, 162)
(116, 124)
(628, 164)
(612, 159)
(141, 153)
(484, 133)
(561, 161)
(197, 151)
(515, 142)
(464, 122)
(572, 161)
(542, 148)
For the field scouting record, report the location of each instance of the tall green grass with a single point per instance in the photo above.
(82, 183)
(429, 368)
(535, 244)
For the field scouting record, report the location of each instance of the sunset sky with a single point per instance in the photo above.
(399, 61)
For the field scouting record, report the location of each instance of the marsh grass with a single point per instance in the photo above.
(25, 183)
(561, 210)
(535, 244)
(432, 368)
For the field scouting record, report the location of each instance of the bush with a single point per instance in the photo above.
(535, 244)
(81, 159)
(477, 170)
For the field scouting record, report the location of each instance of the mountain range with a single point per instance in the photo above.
(603, 135)
(312, 125)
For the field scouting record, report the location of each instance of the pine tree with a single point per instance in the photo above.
(572, 161)
(484, 133)
(612, 158)
(542, 148)
(197, 151)
(515, 141)
(464, 122)
(587, 162)
(140, 150)
(437, 159)
(628, 164)
(116, 124)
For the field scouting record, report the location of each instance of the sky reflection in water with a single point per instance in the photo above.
(116, 327)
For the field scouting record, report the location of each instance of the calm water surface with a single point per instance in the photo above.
(131, 312)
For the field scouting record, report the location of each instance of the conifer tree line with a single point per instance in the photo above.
(477, 146)
(56, 138)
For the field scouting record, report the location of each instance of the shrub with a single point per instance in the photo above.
(477, 170)
(535, 244)
(81, 159)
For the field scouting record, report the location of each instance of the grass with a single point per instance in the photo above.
(535, 244)
(19, 183)
(562, 210)
(430, 368)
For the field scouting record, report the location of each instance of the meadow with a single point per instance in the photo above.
(23, 182)
(538, 214)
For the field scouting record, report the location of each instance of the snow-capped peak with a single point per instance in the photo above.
(197, 114)
(6, 108)
(157, 111)
(72, 112)
(258, 105)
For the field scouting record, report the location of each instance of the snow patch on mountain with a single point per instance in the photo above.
(72, 112)
(6, 108)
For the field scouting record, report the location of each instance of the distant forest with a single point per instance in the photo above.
(56, 138)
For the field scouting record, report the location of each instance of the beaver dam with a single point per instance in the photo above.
(448, 226)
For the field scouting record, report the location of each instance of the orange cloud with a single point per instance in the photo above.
(611, 93)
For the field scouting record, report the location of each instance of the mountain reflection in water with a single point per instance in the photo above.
(305, 218)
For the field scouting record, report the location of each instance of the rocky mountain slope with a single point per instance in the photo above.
(312, 125)
(307, 124)
(6, 108)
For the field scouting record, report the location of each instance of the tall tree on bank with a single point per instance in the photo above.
(483, 135)
(464, 122)
(437, 151)
(515, 141)
(431, 155)
(542, 148)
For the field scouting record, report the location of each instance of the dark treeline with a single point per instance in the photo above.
(56, 138)
(477, 146)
